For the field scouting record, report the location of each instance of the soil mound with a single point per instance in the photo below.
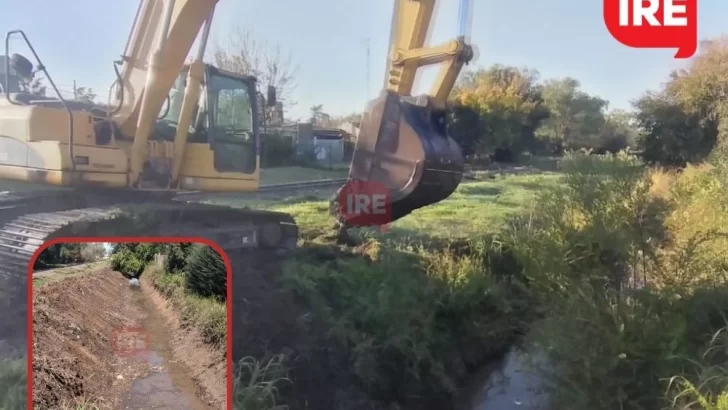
(73, 354)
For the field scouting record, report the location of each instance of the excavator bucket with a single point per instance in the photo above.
(403, 144)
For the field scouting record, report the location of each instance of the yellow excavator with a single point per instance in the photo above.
(173, 127)
(76, 169)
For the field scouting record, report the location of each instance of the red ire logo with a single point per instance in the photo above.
(654, 24)
(129, 341)
(365, 203)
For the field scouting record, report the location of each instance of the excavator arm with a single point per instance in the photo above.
(160, 40)
(412, 22)
(403, 141)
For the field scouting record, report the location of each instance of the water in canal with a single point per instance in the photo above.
(508, 384)
(169, 386)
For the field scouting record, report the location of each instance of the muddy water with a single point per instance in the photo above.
(168, 386)
(508, 384)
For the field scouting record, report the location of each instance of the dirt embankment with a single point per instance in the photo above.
(76, 350)
(268, 319)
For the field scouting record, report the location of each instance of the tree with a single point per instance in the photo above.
(92, 252)
(206, 272)
(466, 127)
(576, 119)
(177, 254)
(245, 55)
(673, 136)
(85, 95)
(619, 131)
(64, 253)
(132, 258)
(319, 117)
(688, 118)
(504, 106)
(34, 86)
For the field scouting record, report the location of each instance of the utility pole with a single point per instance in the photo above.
(368, 68)
(75, 91)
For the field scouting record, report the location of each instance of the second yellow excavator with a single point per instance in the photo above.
(174, 126)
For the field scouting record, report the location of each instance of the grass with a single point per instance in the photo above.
(617, 271)
(282, 175)
(80, 403)
(208, 315)
(47, 276)
(399, 306)
(474, 209)
(256, 385)
(13, 384)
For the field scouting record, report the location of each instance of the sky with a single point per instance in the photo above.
(327, 39)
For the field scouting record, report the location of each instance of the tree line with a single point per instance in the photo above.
(69, 253)
(502, 111)
(201, 267)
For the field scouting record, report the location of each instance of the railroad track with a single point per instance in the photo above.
(295, 187)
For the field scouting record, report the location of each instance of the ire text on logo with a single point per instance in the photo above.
(365, 203)
(654, 24)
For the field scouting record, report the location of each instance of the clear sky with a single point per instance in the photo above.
(79, 39)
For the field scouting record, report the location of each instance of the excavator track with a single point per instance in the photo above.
(27, 221)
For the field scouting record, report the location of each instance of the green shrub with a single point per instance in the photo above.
(403, 313)
(127, 263)
(627, 279)
(599, 226)
(208, 315)
(206, 272)
(177, 254)
(168, 283)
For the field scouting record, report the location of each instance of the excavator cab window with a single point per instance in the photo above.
(233, 134)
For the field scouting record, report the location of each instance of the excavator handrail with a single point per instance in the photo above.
(41, 67)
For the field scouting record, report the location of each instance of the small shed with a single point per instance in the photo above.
(329, 145)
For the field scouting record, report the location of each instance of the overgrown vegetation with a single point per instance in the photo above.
(192, 276)
(130, 259)
(632, 295)
(256, 384)
(616, 275)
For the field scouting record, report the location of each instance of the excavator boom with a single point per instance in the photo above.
(160, 40)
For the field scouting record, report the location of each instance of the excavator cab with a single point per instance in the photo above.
(403, 142)
(226, 118)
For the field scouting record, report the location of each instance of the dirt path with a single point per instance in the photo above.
(84, 334)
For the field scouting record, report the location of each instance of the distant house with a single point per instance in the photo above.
(328, 144)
